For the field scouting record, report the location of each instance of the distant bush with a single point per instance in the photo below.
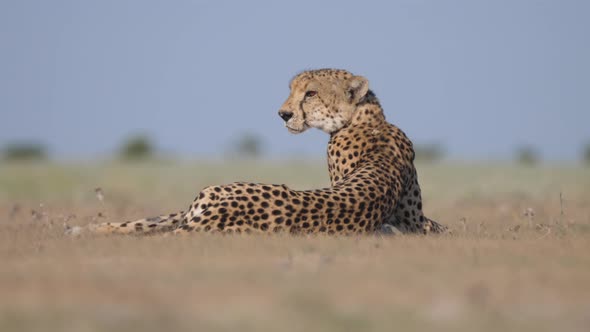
(24, 152)
(247, 145)
(429, 153)
(586, 154)
(527, 156)
(138, 147)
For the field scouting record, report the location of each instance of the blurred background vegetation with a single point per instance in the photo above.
(586, 154)
(137, 148)
(527, 156)
(429, 153)
(246, 146)
(249, 146)
(24, 151)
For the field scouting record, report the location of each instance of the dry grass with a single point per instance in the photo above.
(519, 258)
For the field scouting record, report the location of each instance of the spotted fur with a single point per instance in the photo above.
(370, 161)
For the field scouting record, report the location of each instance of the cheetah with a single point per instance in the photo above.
(370, 163)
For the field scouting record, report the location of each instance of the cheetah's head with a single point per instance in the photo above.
(325, 99)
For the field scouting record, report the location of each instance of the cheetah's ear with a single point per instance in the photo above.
(358, 87)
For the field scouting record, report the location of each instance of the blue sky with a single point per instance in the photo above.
(479, 77)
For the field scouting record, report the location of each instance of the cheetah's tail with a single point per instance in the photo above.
(163, 223)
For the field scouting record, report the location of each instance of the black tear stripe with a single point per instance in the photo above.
(302, 111)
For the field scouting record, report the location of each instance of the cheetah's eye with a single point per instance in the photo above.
(310, 94)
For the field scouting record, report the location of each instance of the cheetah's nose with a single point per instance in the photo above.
(285, 115)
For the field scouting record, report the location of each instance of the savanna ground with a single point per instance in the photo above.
(518, 258)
